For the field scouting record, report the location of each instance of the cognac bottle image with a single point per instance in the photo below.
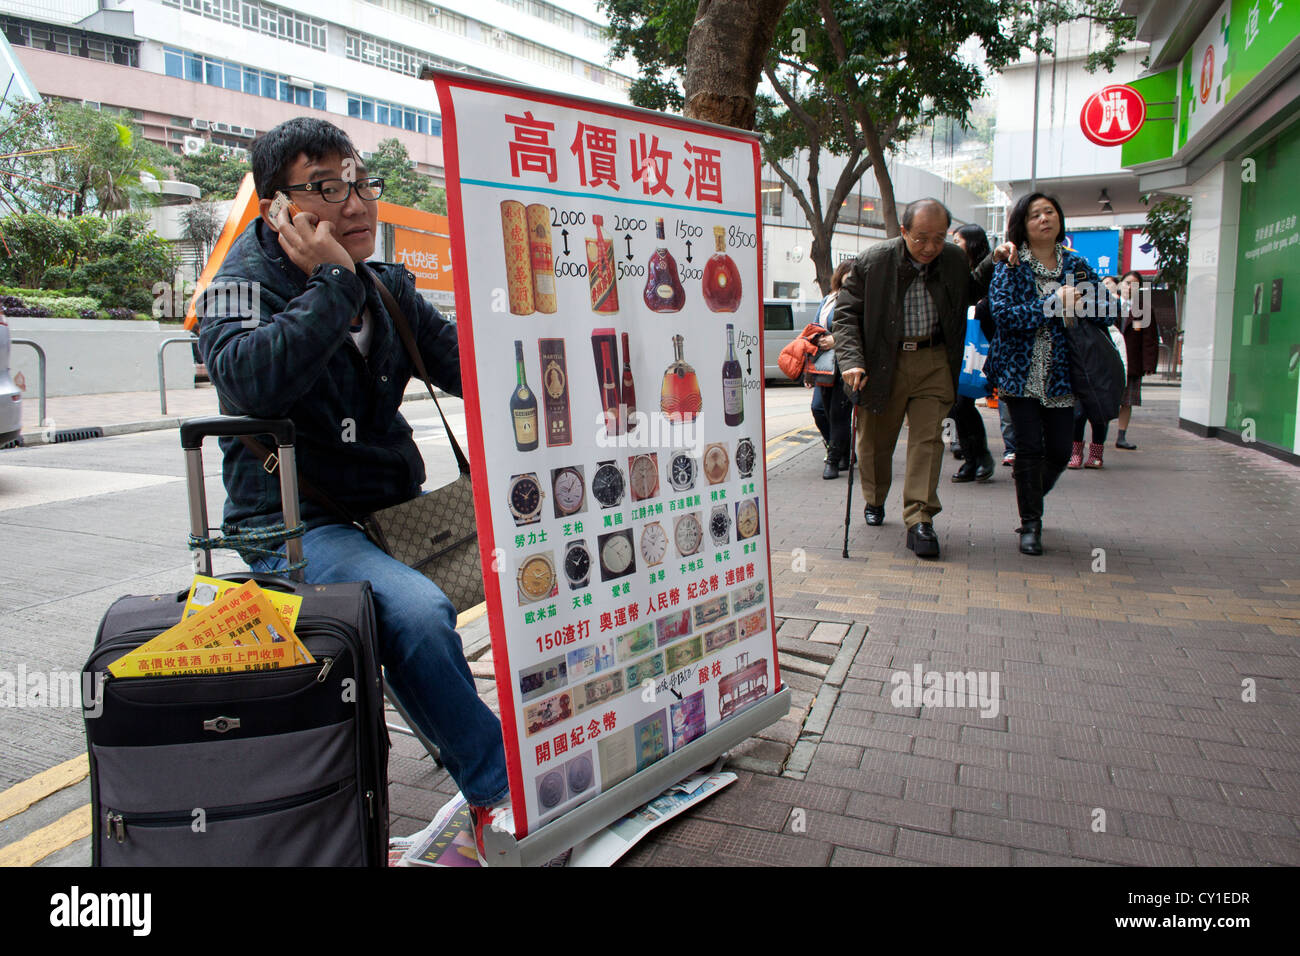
(663, 288)
(721, 277)
(679, 398)
(523, 405)
(627, 395)
(733, 383)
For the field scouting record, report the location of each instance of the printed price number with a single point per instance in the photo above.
(563, 267)
(686, 231)
(685, 273)
(625, 269)
(623, 224)
(549, 642)
(565, 217)
(739, 239)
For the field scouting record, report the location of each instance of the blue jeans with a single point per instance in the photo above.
(423, 658)
(1008, 430)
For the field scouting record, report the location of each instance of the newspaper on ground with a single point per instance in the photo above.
(448, 840)
(607, 846)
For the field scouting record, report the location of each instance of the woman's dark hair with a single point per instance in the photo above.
(977, 242)
(841, 270)
(1132, 272)
(275, 151)
(1020, 212)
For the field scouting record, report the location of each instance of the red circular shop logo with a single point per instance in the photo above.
(1113, 115)
(1207, 73)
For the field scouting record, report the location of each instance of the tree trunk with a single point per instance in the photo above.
(725, 52)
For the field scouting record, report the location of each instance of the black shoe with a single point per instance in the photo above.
(1122, 442)
(875, 516)
(1031, 537)
(957, 451)
(922, 539)
(966, 472)
(984, 471)
(843, 463)
(830, 472)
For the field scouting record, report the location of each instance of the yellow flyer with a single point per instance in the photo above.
(243, 617)
(205, 590)
(205, 660)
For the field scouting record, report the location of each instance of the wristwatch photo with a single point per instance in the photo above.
(717, 463)
(536, 578)
(616, 554)
(569, 489)
(745, 457)
(577, 564)
(687, 534)
(720, 525)
(525, 498)
(654, 543)
(607, 484)
(746, 519)
(681, 472)
(643, 476)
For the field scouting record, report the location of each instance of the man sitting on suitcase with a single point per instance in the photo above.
(322, 351)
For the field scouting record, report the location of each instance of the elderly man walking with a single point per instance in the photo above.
(900, 327)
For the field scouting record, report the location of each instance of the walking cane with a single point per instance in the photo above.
(854, 397)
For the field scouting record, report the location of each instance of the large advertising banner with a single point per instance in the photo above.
(608, 284)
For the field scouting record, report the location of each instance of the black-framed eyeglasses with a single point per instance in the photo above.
(338, 190)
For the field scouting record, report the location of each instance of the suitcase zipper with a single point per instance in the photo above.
(118, 821)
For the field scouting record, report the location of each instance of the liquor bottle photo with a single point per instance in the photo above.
(733, 383)
(523, 405)
(555, 392)
(721, 277)
(627, 395)
(679, 398)
(601, 271)
(604, 349)
(663, 288)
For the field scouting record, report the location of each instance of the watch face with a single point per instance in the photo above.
(536, 578)
(746, 519)
(616, 557)
(716, 463)
(607, 484)
(654, 543)
(570, 491)
(525, 498)
(745, 457)
(643, 472)
(687, 534)
(577, 564)
(720, 525)
(681, 472)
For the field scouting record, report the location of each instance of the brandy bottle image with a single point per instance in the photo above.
(733, 383)
(523, 405)
(601, 271)
(721, 277)
(663, 288)
(679, 398)
(627, 395)
(604, 348)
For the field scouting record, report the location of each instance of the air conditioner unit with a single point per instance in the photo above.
(199, 124)
(225, 128)
(249, 132)
(193, 144)
(92, 104)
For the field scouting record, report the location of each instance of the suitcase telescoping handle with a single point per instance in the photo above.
(195, 430)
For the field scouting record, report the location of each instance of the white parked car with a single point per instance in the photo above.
(11, 397)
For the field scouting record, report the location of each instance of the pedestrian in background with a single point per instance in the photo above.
(1141, 346)
(1031, 303)
(831, 409)
(978, 464)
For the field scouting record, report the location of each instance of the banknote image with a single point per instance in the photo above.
(753, 624)
(592, 659)
(599, 690)
(750, 595)
(673, 626)
(617, 757)
(651, 738)
(714, 609)
(544, 678)
(548, 712)
(636, 642)
(645, 670)
(687, 652)
(720, 637)
(688, 719)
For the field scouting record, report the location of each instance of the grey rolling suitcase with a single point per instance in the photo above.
(281, 767)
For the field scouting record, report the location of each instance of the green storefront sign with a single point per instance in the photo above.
(1261, 29)
(1263, 378)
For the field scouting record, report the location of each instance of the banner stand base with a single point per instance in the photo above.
(599, 812)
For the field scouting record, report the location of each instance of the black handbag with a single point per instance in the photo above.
(1096, 370)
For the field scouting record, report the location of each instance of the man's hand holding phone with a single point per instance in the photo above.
(306, 240)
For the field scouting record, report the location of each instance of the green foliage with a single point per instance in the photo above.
(217, 173)
(1168, 226)
(114, 261)
(403, 184)
(435, 201)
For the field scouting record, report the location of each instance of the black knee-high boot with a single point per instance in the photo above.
(1029, 478)
(1051, 472)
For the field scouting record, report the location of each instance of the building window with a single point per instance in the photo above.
(859, 211)
(391, 114)
(259, 17)
(70, 42)
(773, 192)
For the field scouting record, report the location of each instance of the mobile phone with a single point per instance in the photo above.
(280, 202)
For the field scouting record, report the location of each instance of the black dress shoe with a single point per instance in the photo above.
(984, 471)
(1125, 444)
(843, 463)
(922, 539)
(1031, 537)
(875, 516)
(966, 472)
(830, 471)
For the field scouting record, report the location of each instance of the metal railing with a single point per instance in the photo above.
(40, 364)
(162, 374)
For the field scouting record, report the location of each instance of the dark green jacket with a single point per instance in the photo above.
(869, 311)
(295, 359)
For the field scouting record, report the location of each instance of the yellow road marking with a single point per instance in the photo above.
(37, 846)
(477, 611)
(34, 789)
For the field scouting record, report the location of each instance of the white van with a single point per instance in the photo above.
(783, 319)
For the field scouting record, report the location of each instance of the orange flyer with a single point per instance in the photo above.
(205, 590)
